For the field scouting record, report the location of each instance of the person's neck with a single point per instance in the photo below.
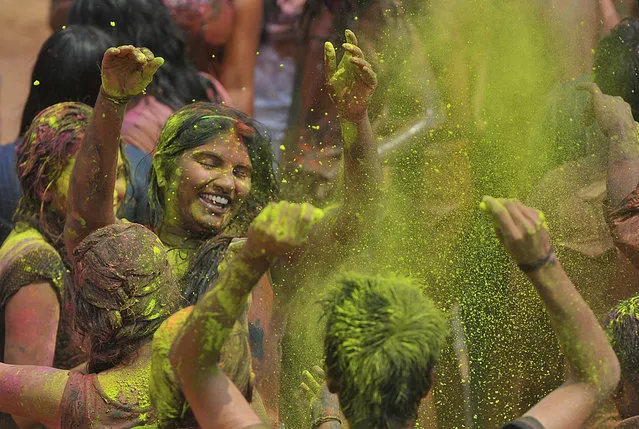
(174, 236)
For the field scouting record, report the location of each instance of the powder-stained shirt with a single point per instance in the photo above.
(169, 402)
(85, 405)
(170, 405)
(25, 258)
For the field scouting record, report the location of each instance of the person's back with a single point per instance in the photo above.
(125, 290)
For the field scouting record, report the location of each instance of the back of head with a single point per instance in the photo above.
(382, 339)
(617, 64)
(622, 327)
(43, 154)
(148, 23)
(124, 291)
(67, 69)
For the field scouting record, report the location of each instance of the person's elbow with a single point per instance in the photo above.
(608, 377)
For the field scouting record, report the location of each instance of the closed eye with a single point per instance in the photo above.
(209, 161)
(242, 172)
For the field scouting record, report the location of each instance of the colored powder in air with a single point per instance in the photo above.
(486, 70)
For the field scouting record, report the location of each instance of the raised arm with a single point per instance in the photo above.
(34, 392)
(215, 401)
(126, 72)
(239, 54)
(609, 14)
(594, 368)
(616, 122)
(351, 84)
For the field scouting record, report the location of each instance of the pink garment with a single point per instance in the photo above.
(85, 406)
(144, 121)
(222, 93)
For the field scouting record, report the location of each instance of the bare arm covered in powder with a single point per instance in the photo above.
(238, 64)
(616, 122)
(31, 324)
(216, 402)
(32, 391)
(622, 200)
(594, 368)
(609, 14)
(350, 84)
(126, 72)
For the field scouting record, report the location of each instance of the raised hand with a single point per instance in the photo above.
(352, 83)
(609, 14)
(281, 228)
(127, 71)
(323, 405)
(522, 230)
(612, 113)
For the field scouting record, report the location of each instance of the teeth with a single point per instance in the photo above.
(216, 199)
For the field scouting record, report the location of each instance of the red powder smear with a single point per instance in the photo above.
(244, 130)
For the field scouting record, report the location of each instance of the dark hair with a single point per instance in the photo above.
(622, 327)
(148, 23)
(124, 291)
(195, 125)
(42, 155)
(383, 337)
(67, 69)
(616, 64)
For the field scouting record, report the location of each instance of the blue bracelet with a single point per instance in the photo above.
(549, 258)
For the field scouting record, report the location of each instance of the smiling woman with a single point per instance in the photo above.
(212, 169)
(212, 175)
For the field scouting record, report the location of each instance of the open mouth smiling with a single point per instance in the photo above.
(216, 203)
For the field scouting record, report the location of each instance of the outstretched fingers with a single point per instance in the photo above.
(365, 71)
(354, 50)
(350, 37)
(500, 215)
(516, 211)
(330, 62)
(311, 382)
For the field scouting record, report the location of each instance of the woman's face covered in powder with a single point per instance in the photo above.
(209, 186)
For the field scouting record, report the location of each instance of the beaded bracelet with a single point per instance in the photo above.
(528, 268)
(319, 422)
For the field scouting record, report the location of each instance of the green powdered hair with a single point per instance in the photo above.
(383, 337)
(622, 327)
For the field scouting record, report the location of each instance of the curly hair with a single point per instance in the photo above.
(383, 337)
(42, 156)
(622, 327)
(124, 291)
